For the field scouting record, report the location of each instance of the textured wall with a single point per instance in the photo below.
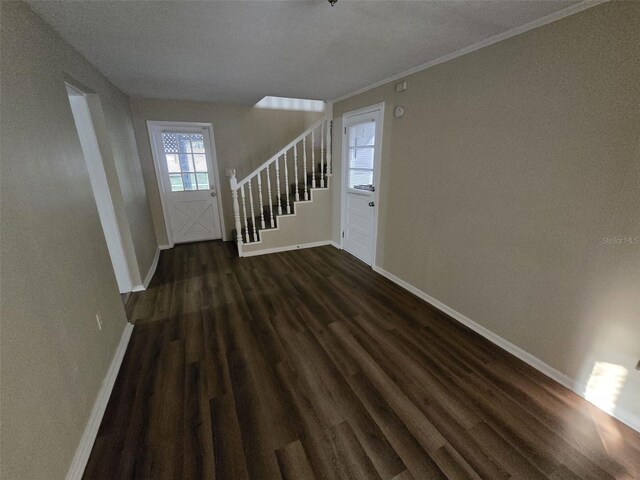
(499, 184)
(56, 270)
(312, 223)
(245, 137)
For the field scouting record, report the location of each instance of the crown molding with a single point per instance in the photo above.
(552, 17)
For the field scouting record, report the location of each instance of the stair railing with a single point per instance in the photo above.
(247, 228)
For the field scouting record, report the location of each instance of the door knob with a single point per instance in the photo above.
(371, 204)
(213, 194)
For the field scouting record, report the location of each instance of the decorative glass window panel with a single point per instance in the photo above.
(362, 134)
(173, 165)
(203, 181)
(170, 142)
(200, 162)
(184, 156)
(176, 183)
(189, 181)
(197, 143)
(186, 162)
(184, 143)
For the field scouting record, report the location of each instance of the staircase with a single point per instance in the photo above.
(280, 187)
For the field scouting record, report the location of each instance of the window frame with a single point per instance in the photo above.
(349, 148)
(190, 154)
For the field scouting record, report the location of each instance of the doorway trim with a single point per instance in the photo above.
(152, 127)
(378, 107)
(88, 135)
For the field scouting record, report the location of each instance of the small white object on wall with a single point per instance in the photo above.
(399, 111)
(401, 86)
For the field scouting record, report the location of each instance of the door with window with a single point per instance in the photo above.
(187, 177)
(362, 136)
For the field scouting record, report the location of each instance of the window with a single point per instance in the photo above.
(284, 103)
(186, 161)
(362, 139)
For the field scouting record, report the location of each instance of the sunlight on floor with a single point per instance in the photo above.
(604, 386)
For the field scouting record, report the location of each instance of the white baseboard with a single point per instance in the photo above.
(152, 269)
(288, 248)
(624, 416)
(83, 451)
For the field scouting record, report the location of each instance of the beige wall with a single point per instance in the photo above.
(498, 185)
(312, 223)
(245, 137)
(132, 185)
(56, 270)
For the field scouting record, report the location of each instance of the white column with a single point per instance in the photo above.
(304, 160)
(286, 182)
(260, 198)
(236, 208)
(322, 182)
(269, 193)
(278, 186)
(329, 146)
(244, 212)
(313, 159)
(253, 215)
(295, 170)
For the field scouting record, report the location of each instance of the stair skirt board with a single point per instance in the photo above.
(291, 247)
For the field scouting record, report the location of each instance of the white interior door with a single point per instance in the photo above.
(362, 137)
(184, 160)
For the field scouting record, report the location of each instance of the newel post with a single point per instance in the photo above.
(231, 173)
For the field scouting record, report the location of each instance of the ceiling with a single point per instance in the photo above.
(238, 51)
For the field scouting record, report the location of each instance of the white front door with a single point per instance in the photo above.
(187, 178)
(362, 136)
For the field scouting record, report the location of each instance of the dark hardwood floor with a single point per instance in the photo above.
(307, 364)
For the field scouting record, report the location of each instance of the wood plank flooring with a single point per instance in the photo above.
(308, 365)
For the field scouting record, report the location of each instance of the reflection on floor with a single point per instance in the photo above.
(307, 364)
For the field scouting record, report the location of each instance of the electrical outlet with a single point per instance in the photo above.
(99, 320)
